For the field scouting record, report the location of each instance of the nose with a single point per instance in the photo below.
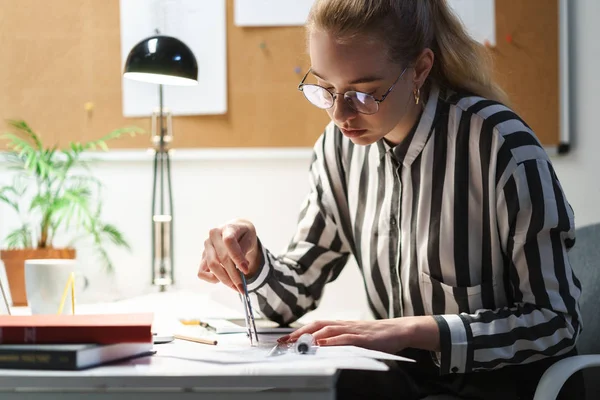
(341, 111)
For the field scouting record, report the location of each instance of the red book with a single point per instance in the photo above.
(62, 329)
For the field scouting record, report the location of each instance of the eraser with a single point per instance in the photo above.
(304, 343)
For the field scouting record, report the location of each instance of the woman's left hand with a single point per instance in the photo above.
(387, 335)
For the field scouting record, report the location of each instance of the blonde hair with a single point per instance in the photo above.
(408, 27)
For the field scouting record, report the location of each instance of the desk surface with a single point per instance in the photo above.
(175, 371)
(170, 372)
(178, 367)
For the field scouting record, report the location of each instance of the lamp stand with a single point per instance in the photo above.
(162, 200)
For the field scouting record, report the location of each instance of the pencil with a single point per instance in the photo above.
(73, 293)
(64, 295)
(195, 339)
(5, 300)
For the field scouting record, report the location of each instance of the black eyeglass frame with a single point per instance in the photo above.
(334, 94)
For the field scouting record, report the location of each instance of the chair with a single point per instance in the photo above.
(585, 260)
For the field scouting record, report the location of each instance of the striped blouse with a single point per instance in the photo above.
(465, 220)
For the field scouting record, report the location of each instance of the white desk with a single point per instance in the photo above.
(157, 377)
(173, 372)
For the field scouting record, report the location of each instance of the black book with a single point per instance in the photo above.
(67, 356)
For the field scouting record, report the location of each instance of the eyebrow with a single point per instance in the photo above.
(365, 79)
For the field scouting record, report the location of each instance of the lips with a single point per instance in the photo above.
(352, 132)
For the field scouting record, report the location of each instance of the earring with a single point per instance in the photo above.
(417, 94)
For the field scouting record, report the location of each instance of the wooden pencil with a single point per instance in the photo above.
(195, 339)
(5, 300)
(65, 294)
(73, 293)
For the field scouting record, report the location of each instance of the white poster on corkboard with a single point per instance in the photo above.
(271, 12)
(478, 16)
(202, 26)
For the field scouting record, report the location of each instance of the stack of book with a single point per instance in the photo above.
(72, 342)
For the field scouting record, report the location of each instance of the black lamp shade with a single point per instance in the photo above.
(163, 60)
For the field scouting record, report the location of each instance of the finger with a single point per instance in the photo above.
(247, 241)
(330, 331)
(216, 239)
(230, 240)
(234, 274)
(205, 274)
(214, 265)
(310, 328)
(203, 269)
(347, 339)
(208, 277)
(223, 256)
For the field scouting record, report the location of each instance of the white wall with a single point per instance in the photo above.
(579, 170)
(210, 188)
(221, 185)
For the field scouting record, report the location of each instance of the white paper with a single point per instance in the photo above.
(201, 25)
(353, 351)
(479, 17)
(237, 350)
(271, 12)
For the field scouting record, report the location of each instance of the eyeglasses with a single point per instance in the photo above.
(323, 98)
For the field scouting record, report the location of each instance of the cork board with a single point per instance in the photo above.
(528, 66)
(61, 54)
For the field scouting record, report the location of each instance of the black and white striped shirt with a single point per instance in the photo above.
(464, 220)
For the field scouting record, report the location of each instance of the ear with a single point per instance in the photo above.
(423, 66)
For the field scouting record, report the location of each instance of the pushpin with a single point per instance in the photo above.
(487, 43)
(262, 45)
(297, 70)
(88, 106)
(509, 38)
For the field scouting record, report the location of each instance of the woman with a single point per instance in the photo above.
(442, 194)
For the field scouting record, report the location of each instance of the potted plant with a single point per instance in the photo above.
(54, 193)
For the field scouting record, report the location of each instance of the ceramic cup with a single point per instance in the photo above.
(45, 281)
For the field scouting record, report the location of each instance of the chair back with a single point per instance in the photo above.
(585, 260)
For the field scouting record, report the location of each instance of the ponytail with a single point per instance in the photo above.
(408, 27)
(462, 63)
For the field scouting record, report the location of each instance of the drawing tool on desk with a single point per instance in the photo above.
(246, 318)
(5, 300)
(195, 339)
(194, 322)
(304, 345)
(249, 315)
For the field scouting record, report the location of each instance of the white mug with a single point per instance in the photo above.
(45, 282)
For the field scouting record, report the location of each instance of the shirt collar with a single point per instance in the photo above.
(409, 149)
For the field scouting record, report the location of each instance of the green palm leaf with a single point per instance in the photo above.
(41, 201)
(19, 238)
(10, 195)
(114, 235)
(18, 145)
(24, 128)
(51, 196)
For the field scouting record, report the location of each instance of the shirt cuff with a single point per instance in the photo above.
(264, 270)
(454, 344)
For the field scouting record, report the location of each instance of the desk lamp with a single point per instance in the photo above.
(163, 60)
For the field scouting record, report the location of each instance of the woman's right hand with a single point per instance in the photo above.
(228, 250)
